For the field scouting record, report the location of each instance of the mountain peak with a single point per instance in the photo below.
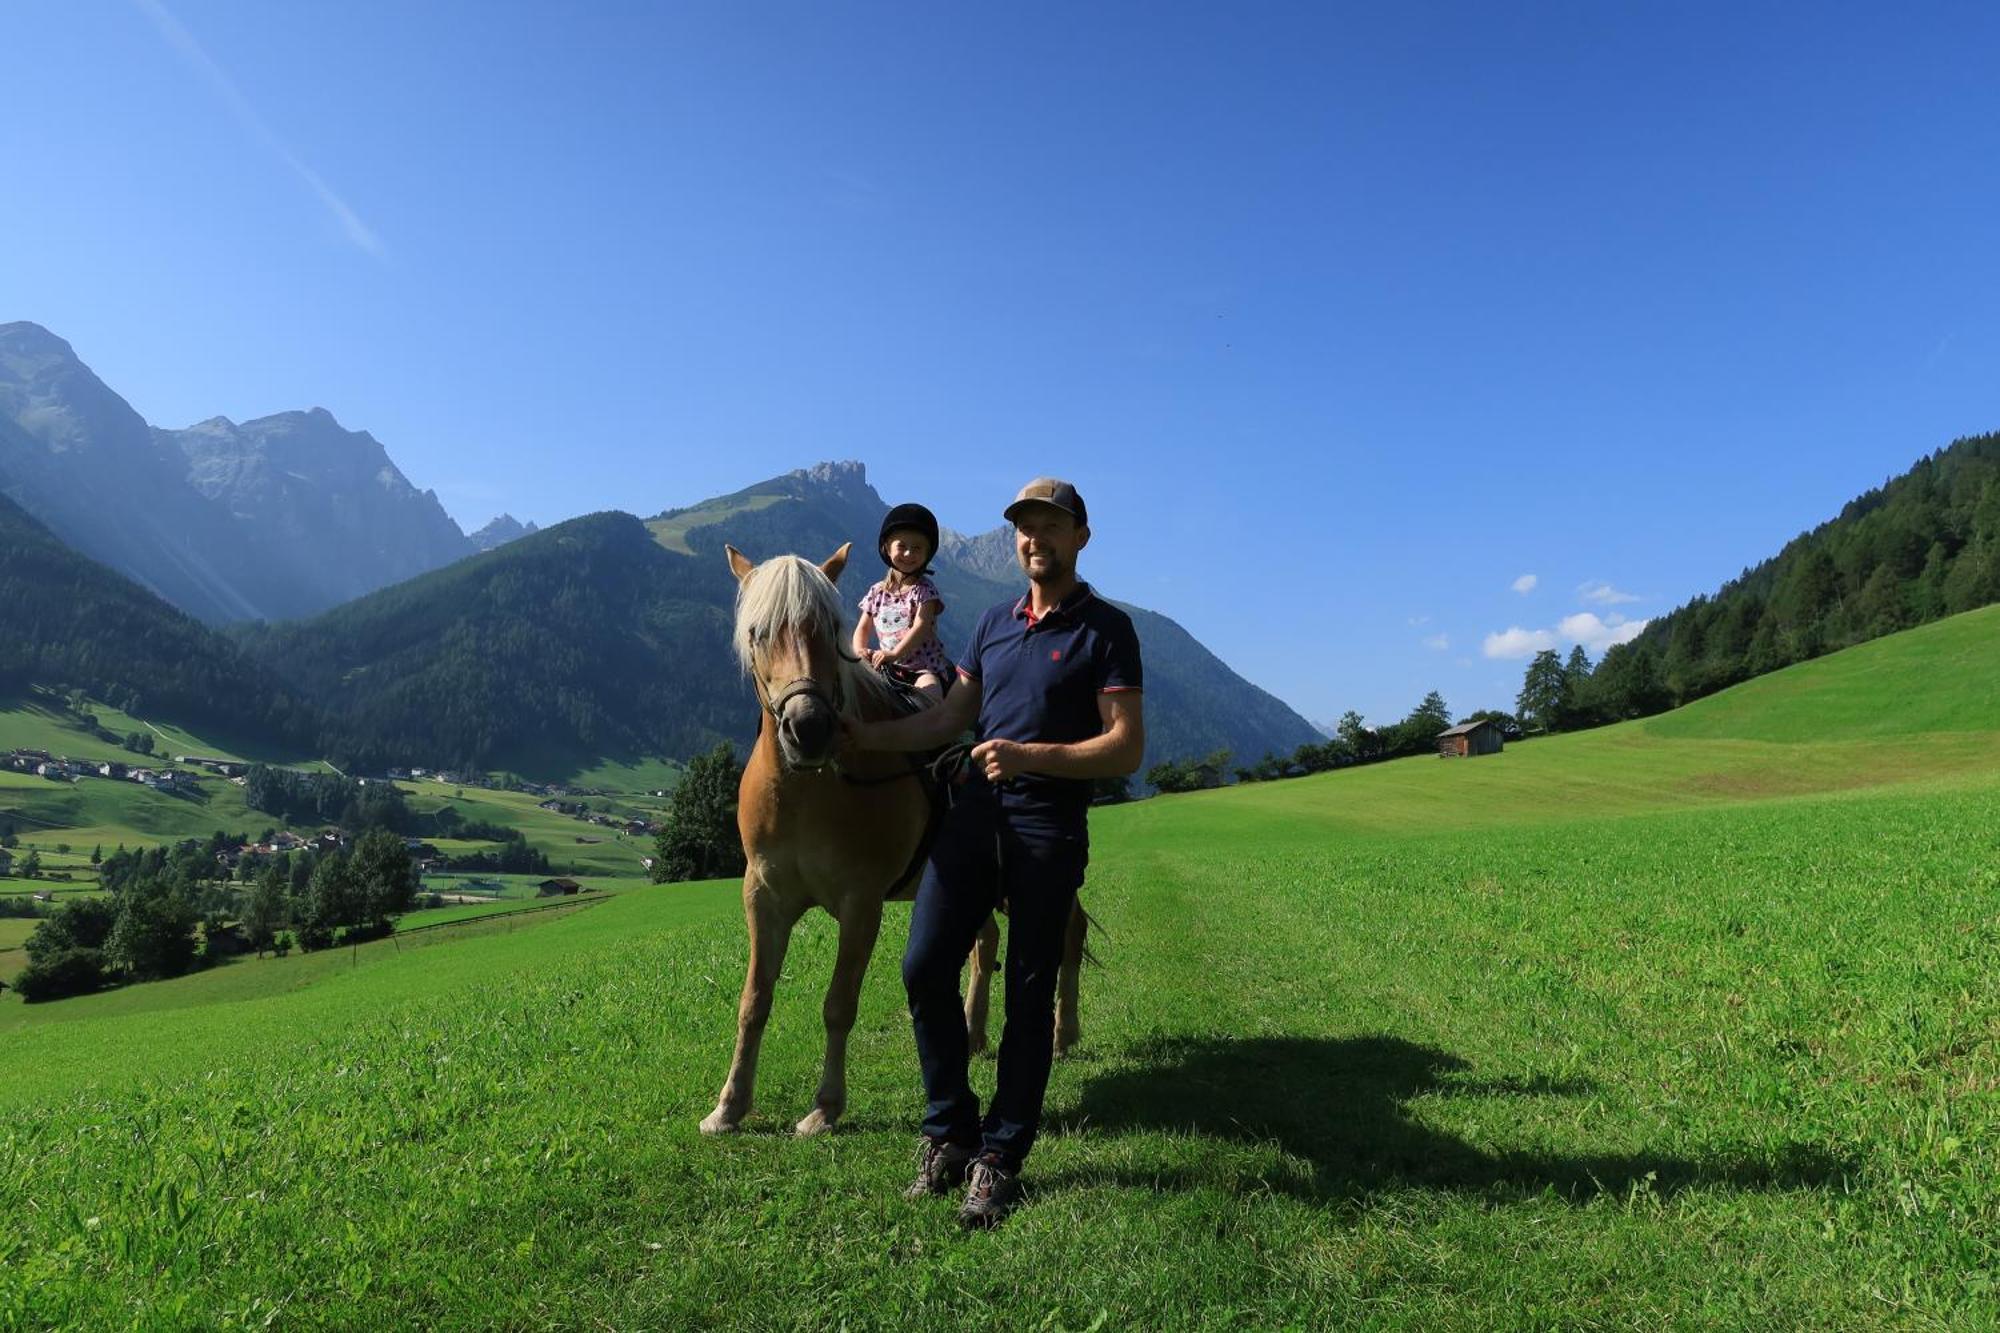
(25, 335)
(500, 531)
(847, 472)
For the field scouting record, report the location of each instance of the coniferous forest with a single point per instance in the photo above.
(68, 621)
(1923, 546)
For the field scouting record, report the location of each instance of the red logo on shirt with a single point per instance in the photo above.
(1055, 654)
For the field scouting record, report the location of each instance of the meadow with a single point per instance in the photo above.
(1686, 1022)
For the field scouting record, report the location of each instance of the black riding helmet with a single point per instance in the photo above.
(914, 517)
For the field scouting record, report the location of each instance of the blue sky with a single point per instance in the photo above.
(1345, 319)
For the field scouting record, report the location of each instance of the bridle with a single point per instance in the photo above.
(803, 687)
(942, 769)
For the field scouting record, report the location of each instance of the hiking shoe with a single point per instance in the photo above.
(941, 1167)
(990, 1194)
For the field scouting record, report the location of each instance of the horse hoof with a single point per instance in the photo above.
(1066, 1043)
(720, 1122)
(818, 1122)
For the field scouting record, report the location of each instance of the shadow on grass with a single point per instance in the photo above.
(1339, 1108)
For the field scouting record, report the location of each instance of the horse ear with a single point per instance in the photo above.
(739, 563)
(835, 563)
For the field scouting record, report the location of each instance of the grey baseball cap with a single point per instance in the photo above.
(1049, 491)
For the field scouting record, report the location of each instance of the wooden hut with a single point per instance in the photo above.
(1468, 739)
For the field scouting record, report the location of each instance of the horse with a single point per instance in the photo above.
(844, 832)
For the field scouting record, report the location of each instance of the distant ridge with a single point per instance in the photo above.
(277, 517)
(606, 638)
(500, 531)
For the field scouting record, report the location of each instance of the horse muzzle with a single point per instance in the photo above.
(808, 725)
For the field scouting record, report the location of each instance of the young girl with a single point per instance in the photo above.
(901, 611)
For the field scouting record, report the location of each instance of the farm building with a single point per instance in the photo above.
(550, 888)
(1468, 739)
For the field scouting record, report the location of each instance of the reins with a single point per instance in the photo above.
(943, 769)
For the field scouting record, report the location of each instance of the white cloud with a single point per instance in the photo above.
(1596, 635)
(1526, 583)
(1604, 594)
(225, 87)
(1438, 641)
(1414, 621)
(1584, 627)
(1517, 642)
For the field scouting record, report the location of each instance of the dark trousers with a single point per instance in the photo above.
(985, 854)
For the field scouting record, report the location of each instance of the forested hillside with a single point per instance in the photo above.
(583, 641)
(605, 638)
(1924, 546)
(67, 621)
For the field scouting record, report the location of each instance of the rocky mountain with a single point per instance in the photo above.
(326, 501)
(76, 456)
(607, 638)
(282, 516)
(500, 531)
(989, 554)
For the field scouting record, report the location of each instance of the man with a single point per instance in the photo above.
(1051, 686)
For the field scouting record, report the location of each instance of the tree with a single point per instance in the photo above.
(1544, 699)
(97, 855)
(1974, 580)
(31, 865)
(1189, 774)
(333, 900)
(80, 923)
(1576, 684)
(1418, 732)
(698, 838)
(154, 934)
(1111, 791)
(1510, 726)
(264, 908)
(385, 879)
(61, 974)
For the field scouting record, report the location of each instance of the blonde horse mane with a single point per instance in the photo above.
(786, 594)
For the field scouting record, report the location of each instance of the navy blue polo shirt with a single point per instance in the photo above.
(1040, 681)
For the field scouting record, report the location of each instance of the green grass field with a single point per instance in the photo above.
(14, 932)
(35, 722)
(1688, 1022)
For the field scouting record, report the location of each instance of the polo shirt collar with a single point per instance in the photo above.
(1066, 607)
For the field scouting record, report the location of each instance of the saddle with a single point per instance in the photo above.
(936, 771)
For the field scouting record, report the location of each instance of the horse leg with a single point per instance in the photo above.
(843, 997)
(985, 958)
(770, 934)
(1068, 1032)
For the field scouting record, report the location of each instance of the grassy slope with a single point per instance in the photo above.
(613, 853)
(671, 531)
(1623, 1028)
(29, 723)
(14, 932)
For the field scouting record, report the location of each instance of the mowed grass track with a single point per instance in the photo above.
(1424, 1045)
